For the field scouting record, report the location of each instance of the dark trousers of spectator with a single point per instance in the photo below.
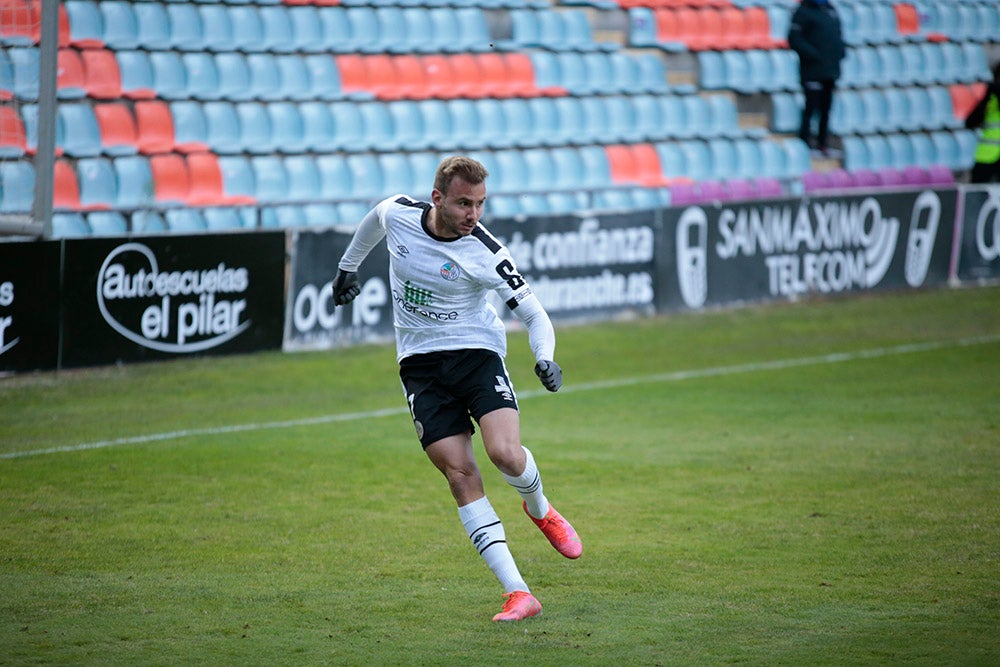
(819, 99)
(985, 172)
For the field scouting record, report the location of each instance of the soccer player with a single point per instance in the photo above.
(451, 345)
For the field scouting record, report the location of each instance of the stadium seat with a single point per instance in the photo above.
(117, 128)
(169, 75)
(335, 177)
(152, 25)
(797, 159)
(119, 26)
(101, 74)
(545, 121)
(324, 77)
(135, 181)
(222, 218)
(137, 77)
(255, 127)
(271, 183)
(265, 77)
(303, 178)
(184, 220)
(13, 137)
(154, 127)
(147, 222)
(277, 34)
(185, 27)
(172, 183)
(222, 127)
(923, 150)
(69, 225)
(287, 127)
(773, 160)
(698, 117)
(237, 179)
(86, 26)
(205, 176)
(900, 150)
(307, 29)
(366, 176)
(234, 77)
(17, 186)
(98, 186)
(202, 76)
(967, 142)
(349, 126)
(947, 152)
(596, 167)
(107, 223)
(247, 27)
(65, 187)
(216, 27)
(81, 133)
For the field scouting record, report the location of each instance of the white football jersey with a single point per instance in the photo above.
(439, 286)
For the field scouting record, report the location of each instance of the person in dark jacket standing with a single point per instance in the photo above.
(815, 35)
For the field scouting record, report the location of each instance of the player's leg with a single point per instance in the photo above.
(501, 437)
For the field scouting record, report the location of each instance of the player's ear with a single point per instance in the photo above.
(437, 197)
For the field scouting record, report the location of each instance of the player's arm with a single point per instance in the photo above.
(346, 285)
(542, 338)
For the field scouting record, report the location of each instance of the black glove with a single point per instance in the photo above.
(345, 287)
(550, 374)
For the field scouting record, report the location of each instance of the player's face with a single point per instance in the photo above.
(459, 211)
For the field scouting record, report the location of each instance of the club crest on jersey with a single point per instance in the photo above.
(450, 272)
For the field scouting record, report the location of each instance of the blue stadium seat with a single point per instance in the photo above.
(271, 184)
(545, 121)
(540, 169)
(856, 154)
(182, 220)
(564, 203)
(255, 127)
(24, 63)
(967, 142)
(653, 73)
(107, 223)
(202, 76)
(248, 28)
(408, 125)
(573, 74)
(512, 172)
(935, 69)
(324, 77)
(698, 115)
(222, 127)
(366, 175)
(786, 112)
(277, 29)
(921, 107)
(423, 164)
(473, 33)
(287, 127)
(169, 75)
(797, 159)
(365, 32)
(697, 159)
(518, 121)
(86, 28)
(947, 152)
(303, 178)
(120, 26)
(152, 25)
(217, 27)
(335, 177)
(307, 29)
(596, 121)
(336, 29)
(975, 64)
(879, 154)
(627, 73)
(599, 73)
(671, 159)
(503, 206)
(293, 75)
(749, 159)
(419, 30)
(317, 127)
(320, 215)
(596, 167)
(900, 150)
(868, 67)
(772, 159)
(265, 77)
(642, 27)
(98, 184)
(17, 186)
(955, 67)
(349, 126)
(380, 133)
(762, 75)
(914, 69)
(924, 154)
(185, 27)
(876, 111)
(351, 212)
(222, 218)
(69, 225)
(492, 123)
(724, 119)
(147, 222)
(724, 159)
(648, 117)
(674, 116)
(784, 70)
(136, 75)
(942, 110)
(135, 181)
(547, 66)
(712, 70)
(81, 133)
(234, 76)
(892, 66)
(898, 110)
(567, 167)
(397, 174)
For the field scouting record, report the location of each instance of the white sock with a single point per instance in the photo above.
(487, 534)
(529, 485)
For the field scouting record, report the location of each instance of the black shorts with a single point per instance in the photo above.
(445, 388)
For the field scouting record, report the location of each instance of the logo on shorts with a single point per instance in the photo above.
(450, 272)
(504, 389)
(420, 429)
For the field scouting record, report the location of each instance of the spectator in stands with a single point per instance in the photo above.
(986, 115)
(451, 344)
(815, 35)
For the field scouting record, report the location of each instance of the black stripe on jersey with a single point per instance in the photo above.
(512, 303)
(487, 239)
(406, 201)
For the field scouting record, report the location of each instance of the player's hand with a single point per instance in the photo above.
(345, 287)
(550, 374)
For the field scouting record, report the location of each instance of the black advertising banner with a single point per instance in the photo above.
(312, 322)
(979, 247)
(790, 248)
(29, 306)
(586, 267)
(164, 297)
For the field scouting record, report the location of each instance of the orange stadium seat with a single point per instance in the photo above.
(117, 127)
(154, 127)
(171, 181)
(103, 78)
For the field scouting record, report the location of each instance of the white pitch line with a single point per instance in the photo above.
(676, 376)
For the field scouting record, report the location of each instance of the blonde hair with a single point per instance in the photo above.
(469, 170)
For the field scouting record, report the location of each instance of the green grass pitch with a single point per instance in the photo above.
(795, 484)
